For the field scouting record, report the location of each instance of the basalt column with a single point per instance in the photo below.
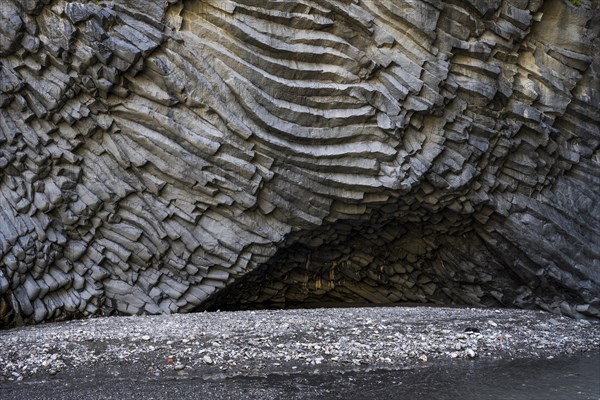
(170, 156)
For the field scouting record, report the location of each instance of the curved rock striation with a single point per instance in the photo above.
(164, 156)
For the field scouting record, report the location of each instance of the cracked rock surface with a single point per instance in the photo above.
(167, 156)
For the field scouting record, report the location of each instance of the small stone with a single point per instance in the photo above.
(471, 353)
(179, 367)
(207, 359)
(492, 323)
(423, 358)
(145, 337)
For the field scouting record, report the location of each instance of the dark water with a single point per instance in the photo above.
(570, 378)
(565, 378)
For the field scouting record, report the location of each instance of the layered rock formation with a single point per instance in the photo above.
(163, 156)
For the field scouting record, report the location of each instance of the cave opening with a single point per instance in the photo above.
(355, 263)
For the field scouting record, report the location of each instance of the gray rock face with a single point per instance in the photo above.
(162, 157)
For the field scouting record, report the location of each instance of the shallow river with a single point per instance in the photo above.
(564, 379)
(571, 378)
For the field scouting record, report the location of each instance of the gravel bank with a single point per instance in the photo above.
(257, 343)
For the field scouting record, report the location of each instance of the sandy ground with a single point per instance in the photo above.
(258, 344)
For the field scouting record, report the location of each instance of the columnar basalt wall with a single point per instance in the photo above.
(163, 156)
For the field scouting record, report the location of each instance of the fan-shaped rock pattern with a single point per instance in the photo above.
(163, 156)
